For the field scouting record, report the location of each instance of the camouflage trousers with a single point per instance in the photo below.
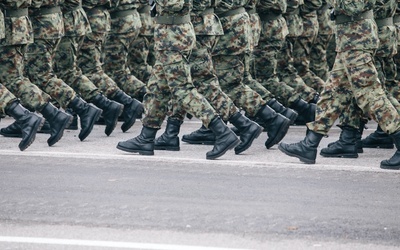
(396, 59)
(115, 58)
(206, 81)
(141, 57)
(228, 58)
(318, 56)
(39, 69)
(171, 80)
(265, 62)
(384, 59)
(331, 53)
(89, 61)
(386, 69)
(354, 78)
(249, 62)
(66, 67)
(287, 73)
(6, 97)
(301, 53)
(12, 76)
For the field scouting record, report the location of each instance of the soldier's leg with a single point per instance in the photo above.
(335, 98)
(138, 56)
(301, 52)
(11, 73)
(288, 73)
(230, 74)
(29, 122)
(89, 60)
(206, 82)
(66, 68)
(39, 68)
(318, 56)
(115, 56)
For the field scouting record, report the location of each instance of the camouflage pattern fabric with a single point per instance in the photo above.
(229, 55)
(171, 78)
(303, 44)
(18, 33)
(89, 58)
(76, 25)
(249, 62)
(354, 74)
(387, 44)
(124, 31)
(141, 56)
(273, 35)
(208, 28)
(383, 59)
(396, 89)
(48, 30)
(285, 69)
(6, 97)
(318, 54)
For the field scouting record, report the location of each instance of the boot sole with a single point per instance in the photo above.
(386, 146)
(302, 159)
(38, 125)
(60, 133)
(282, 132)
(199, 142)
(11, 135)
(82, 136)
(166, 148)
(339, 155)
(250, 142)
(390, 167)
(231, 146)
(141, 152)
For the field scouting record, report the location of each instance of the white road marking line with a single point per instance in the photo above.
(112, 244)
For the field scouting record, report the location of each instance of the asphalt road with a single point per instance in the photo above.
(89, 195)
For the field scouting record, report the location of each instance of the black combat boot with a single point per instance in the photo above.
(12, 130)
(305, 150)
(394, 161)
(276, 125)
(346, 145)
(142, 144)
(359, 134)
(169, 140)
(58, 120)
(280, 109)
(225, 139)
(46, 129)
(111, 111)
(28, 122)
(248, 131)
(378, 139)
(88, 115)
(201, 136)
(305, 110)
(133, 109)
(74, 123)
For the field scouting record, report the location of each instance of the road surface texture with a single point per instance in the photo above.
(90, 195)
